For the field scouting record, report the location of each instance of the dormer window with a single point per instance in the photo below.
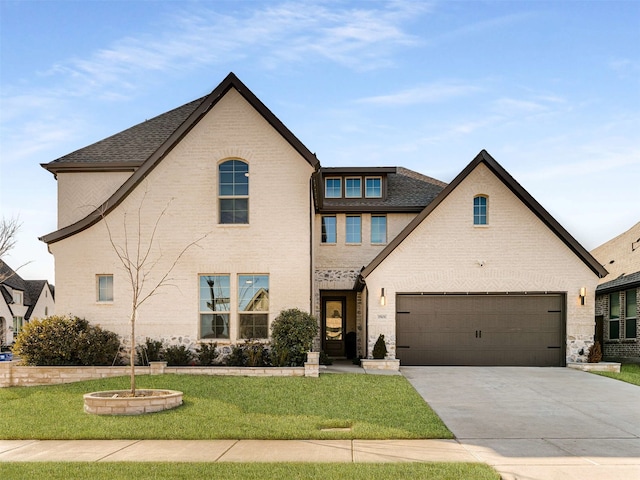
(17, 297)
(333, 187)
(353, 187)
(373, 187)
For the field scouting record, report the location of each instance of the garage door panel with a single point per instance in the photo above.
(512, 329)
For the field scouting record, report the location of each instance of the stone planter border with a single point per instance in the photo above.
(596, 367)
(110, 403)
(380, 364)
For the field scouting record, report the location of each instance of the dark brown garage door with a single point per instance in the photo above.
(500, 329)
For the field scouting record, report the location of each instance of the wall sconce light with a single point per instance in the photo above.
(383, 299)
(583, 293)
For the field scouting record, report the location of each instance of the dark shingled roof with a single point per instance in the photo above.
(623, 282)
(31, 288)
(407, 191)
(130, 147)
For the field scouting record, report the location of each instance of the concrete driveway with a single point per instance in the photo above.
(538, 423)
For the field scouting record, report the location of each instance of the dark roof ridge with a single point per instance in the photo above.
(419, 176)
(231, 81)
(516, 189)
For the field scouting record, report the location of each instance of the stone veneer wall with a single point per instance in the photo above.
(12, 374)
(338, 279)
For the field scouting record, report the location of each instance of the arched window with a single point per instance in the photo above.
(233, 192)
(480, 214)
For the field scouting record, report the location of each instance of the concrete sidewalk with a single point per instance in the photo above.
(346, 451)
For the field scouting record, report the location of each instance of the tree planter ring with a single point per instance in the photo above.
(120, 402)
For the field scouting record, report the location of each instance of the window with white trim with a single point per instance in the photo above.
(233, 192)
(480, 216)
(104, 288)
(18, 323)
(373, 187)
(378, 229)
(215, 306)
(253, 306)
(353, 187)
(18, 297)
(329, 229)
(333, 187)
(353, 229)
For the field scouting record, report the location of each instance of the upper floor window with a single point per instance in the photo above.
(480, 210)
(329, 231)
(233, 191)
(17, 297)
(215, 306)
(614, 316)
(378, 229)
(104, 288)
(353, 229)
(353, 187)
(630, 314)
(333, 187)
(373, 187)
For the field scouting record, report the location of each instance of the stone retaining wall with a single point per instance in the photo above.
(12, 374)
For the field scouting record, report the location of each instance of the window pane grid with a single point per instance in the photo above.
(329, 231)
(214, 297)
(378, 229)
(333, 188)
(480, 210)
(631, 312)
(353, 229)
(353, 188)
(105, 288)
(233, 182)
(373, 187)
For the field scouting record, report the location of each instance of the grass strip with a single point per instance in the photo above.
(248, 471)
(345, 406)
(629, 372)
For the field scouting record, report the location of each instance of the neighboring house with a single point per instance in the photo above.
(617, 295)
(20, 301)
(474, 272)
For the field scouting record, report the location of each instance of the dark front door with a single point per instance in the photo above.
(333, 326)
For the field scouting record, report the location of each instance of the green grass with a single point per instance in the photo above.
(629, 372)
(258, 471)
(374, 406)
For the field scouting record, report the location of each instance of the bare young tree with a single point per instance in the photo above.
(8, 231)
(135, 255)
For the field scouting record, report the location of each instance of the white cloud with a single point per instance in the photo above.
(431, 93)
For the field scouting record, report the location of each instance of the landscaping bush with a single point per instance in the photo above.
(257, 353)
(380, 348)
(151, 351)
(292, 334)
(237, 357)
(178, 356)
(64, 340)
(207, 354)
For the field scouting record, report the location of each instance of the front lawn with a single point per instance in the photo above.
(629, 372)
(248, 471)
(371, 406)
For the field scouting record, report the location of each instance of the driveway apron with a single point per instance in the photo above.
(532, 423)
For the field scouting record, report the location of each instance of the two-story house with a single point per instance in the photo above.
(473, 272)
(20, 301)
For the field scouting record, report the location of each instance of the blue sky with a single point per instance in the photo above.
(550, 89)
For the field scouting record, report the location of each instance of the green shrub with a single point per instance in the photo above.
(178, 355)
(380, 348)
(64, 340)
(292, 334)
(151, 351)
(207, 354)
(257, 353)
(237, 357)
(324, 359)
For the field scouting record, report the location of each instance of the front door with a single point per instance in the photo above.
(333, 326)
